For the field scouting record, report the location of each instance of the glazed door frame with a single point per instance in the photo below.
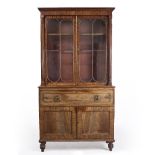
(76, 79)
(108, 55)
(44, 52)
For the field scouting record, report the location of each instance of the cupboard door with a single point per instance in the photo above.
(95, 123)
(57, 123)
(60, 49)
(92, 45)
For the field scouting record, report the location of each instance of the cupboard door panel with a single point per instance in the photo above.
(57, 123)
(95, 122)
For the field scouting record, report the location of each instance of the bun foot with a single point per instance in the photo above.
(42, 145)
(110, 145)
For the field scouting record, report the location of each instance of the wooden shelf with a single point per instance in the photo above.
(90, 51)
(62, 51)
(94, 34)
(58, 34)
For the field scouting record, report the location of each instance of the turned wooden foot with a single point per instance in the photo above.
(42, 145)
(110, 145)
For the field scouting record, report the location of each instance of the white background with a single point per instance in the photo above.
(133, 76)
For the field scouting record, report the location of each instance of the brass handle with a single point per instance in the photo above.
(47, 97)
(108, 97)
(96, 98)
(56, 99)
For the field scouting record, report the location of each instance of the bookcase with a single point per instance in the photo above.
(76, 95)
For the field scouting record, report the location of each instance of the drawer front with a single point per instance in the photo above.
(76, 99)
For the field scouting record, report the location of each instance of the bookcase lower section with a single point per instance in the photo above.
(82, 119)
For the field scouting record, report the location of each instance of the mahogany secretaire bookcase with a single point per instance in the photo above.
(76, 96)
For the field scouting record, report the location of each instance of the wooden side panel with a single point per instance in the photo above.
(57, 123)
(95, 123)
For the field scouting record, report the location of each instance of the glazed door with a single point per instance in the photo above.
(92, 50)
(57, 123)
(95, 123)
(59, 43)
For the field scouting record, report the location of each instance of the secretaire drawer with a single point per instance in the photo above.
(78, 98)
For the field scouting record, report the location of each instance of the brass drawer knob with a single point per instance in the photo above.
(96, 98)
(56, 98)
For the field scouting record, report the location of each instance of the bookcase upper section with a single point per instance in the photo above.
(76, 46)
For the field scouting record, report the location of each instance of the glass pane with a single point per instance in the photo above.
(99, 42)
(99, 26)
(86, 66)
(53, 26)
(85, 26)
(53, 65)
(53, 42)
(93, 64)
(85, 42)
(99, 66)
(67, 66)
(66, 27)
(67, 42)
(60, 50)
